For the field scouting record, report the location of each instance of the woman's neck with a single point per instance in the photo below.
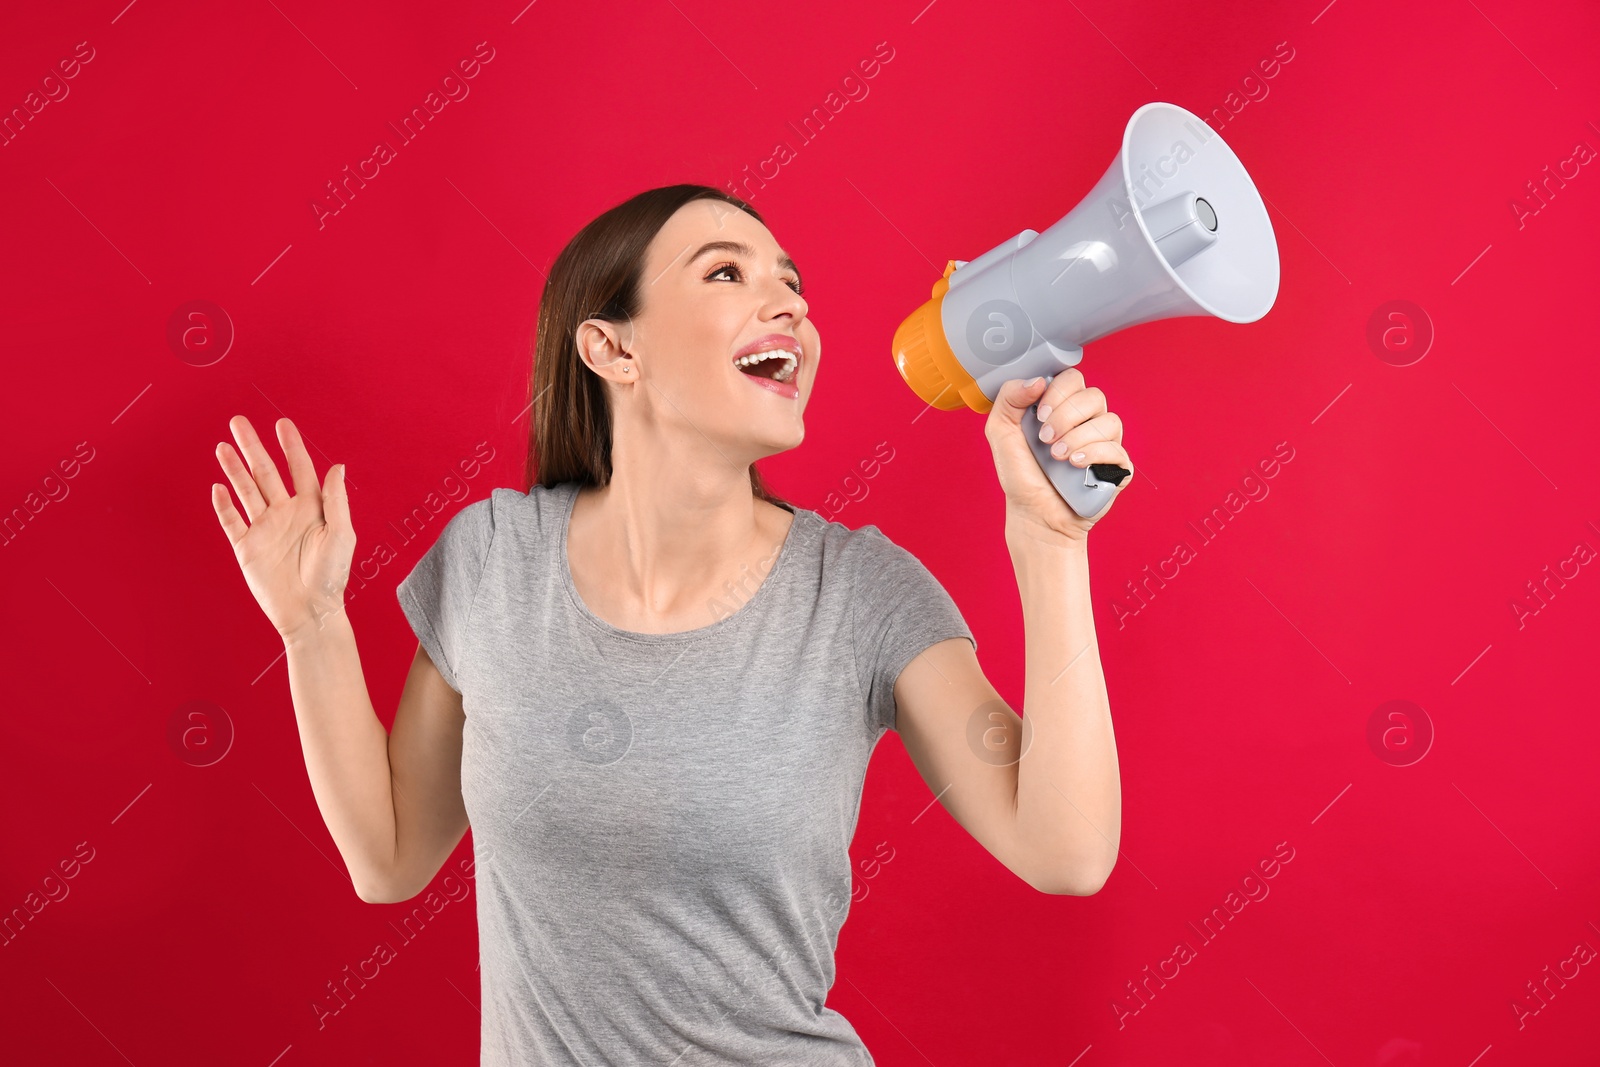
(659, 555)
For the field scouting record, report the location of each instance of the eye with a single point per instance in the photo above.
(796, 285)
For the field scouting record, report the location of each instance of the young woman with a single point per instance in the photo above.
(652, 687)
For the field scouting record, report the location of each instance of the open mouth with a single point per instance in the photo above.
(777, 364)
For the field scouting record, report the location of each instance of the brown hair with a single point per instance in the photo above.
(597, 276)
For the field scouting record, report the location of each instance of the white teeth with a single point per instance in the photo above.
(784, 374)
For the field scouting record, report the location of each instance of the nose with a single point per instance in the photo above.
(785, 301)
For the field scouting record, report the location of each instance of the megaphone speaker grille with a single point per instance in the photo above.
(1166, 150)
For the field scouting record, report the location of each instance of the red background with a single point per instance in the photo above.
(1383, 565)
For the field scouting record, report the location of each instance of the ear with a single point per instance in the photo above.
(600, 346)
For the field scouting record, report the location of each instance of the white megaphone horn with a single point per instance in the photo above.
(1175, 227)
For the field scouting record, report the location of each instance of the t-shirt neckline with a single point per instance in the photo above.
(563, 564)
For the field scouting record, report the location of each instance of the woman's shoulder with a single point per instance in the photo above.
(502, 512)
(859, 548)
(535, 497)
(539, 508)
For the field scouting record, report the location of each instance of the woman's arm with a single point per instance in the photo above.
(1069, 787)
(1046, 801)
(391, 800)
(346, 751)
(1043, 794)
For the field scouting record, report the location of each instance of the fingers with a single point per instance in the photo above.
(1067, 405)
(244, 486)
(1062, 385)
(232, 524)
(262, 468)
(1102, 452)
(1074, 418)
(335, 501)
(1062, 413)
(1105, 427)
(301, 470)
(1015, 397)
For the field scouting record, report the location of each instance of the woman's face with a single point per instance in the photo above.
(701, 308)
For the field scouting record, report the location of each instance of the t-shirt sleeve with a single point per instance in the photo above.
(898, 609)
(438, 594)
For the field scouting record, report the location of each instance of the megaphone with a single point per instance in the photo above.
(1175, 227)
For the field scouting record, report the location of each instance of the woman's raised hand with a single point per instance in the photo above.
(296, 551)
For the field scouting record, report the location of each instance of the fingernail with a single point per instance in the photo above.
(1046, 432)
(1077, 457)
(1033, 383)
(1045, 410)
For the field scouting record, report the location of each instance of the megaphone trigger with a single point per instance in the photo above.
(1109, 472)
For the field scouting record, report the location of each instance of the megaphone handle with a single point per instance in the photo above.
(1087, 490)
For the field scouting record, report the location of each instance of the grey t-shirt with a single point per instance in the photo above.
(661, 822)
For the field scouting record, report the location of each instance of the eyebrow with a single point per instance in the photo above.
(740, 248)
